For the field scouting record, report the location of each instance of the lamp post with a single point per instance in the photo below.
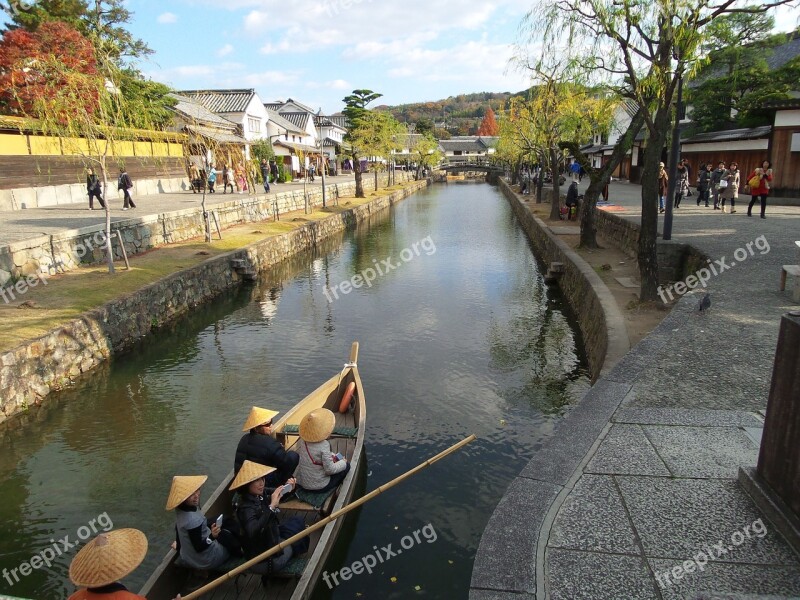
(322, 159)
(674, 154)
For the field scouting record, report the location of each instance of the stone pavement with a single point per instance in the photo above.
(27, 223)
(636, 496)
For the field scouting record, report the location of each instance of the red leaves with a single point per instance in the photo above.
(489, 124)
(54, 65)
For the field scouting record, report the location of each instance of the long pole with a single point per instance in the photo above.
(674, 153)
(322, 159)
(319, 524)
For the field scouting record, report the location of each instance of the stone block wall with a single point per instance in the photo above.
(29, 372)
(51, 254)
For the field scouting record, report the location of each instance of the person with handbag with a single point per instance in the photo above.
(704, 183)
(730, 191)
(759, 184)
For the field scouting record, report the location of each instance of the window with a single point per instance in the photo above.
(254, 125)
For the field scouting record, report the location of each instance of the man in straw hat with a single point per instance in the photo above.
(101, 563)
(320, 470)
(258, 516)
(259, 446)
(200, 542)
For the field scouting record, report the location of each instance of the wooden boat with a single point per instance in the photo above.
(348, 438)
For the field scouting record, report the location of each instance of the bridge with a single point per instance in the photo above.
(460, 164)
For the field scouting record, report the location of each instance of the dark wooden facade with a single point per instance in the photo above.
(785, 162)
(36, 171)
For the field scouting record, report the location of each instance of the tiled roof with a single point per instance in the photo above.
(788, 104)
(273, 105)
(730, 135)
(339, 120)
(331, 143)
(222, 137)
(299, 105)
(193, 111)
(222, 101)
(296, 146)
(297, 119)
(463, 145)
(280, 121)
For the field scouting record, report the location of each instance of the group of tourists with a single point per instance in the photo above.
(95, 188)
(265, 474)
(718, 185)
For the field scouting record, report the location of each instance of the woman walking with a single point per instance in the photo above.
(93, 187)
(732, 179)
(759, 182)
(663, 182)
(704, 183)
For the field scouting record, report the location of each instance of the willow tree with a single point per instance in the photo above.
(426, 152)
(643, 50)
(519, 138)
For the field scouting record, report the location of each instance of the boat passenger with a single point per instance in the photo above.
(259, 446)
(200, 542)
(320, 469)
(258, 518)
(100, 564)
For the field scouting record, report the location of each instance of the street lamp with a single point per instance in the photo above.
(321, 159)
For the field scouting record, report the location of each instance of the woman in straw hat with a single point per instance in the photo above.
(320, 470)
(200, 543)
(101, 563)
(259, 446)
(258, 516)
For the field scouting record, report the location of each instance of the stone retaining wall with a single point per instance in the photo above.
(31, 371)
(58, 253)
(602, 325)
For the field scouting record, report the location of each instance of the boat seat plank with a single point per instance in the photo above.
(338, 432)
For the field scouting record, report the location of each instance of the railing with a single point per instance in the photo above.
(470, 161)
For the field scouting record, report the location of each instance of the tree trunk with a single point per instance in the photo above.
(109, 248)
(588, 228)
(357, 171)
(648, 258)
(376, 180)
(555, 201)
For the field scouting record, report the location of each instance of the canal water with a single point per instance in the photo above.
(460, 337)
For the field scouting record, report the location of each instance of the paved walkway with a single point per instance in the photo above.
(33, 222)
(637, 490)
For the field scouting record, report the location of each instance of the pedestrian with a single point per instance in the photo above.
(93, 188)
(265, 174)
(759, 183)
(194, 178)
(663, 183)
(575, 171)
(730, 191)
(212, 179)
(703, 183)
(227, 179)
(716, 177)
(682, 185)
(241, 183)
(125, 184)
(273, 169)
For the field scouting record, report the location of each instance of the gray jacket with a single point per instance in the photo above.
(733, 178)
(316, 465)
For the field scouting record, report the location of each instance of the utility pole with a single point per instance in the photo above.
(674, 154)
(322, 158)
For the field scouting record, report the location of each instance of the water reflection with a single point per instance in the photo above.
(464, 340)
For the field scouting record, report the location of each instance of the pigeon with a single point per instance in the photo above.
(705, 302)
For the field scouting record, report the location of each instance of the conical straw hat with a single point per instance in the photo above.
(250, 471)
(258, 416)
(184, 486)
(317, 425)
(108, 558)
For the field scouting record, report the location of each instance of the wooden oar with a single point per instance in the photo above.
(275, 549)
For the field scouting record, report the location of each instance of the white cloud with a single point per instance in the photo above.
(336, 84)
(225, 50)
(167, 18)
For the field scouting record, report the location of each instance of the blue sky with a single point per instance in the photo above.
(319, 51)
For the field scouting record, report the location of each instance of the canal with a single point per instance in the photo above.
(461, 336)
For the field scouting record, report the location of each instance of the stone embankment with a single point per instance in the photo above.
(31, 371)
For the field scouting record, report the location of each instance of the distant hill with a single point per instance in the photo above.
(461, 114)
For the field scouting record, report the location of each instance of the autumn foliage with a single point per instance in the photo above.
(489, 124)
(40, 65)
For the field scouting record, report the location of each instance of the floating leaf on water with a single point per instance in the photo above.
(503, 422)
(393, 579)
(450, 561)
(416, 587)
